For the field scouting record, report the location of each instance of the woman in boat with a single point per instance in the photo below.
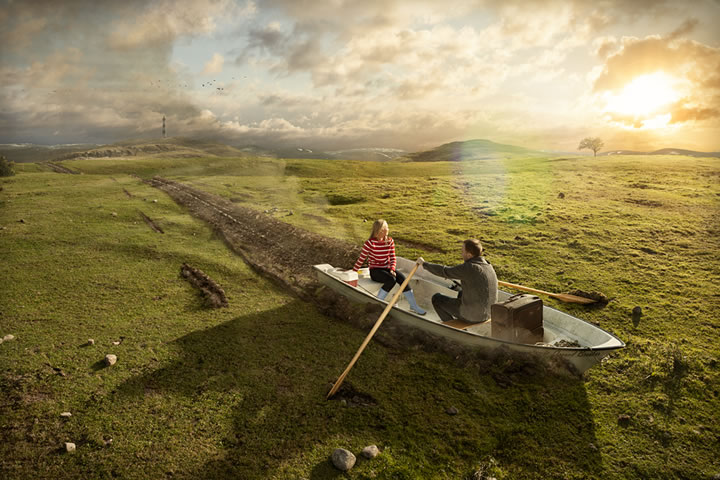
(379, 250)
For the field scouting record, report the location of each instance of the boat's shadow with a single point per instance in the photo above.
(274, 367)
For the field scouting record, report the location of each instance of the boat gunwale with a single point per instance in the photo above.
(544, 348)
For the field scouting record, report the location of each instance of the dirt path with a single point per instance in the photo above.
(286, 254)
(282, 251)
(61, 169)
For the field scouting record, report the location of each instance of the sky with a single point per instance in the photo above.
(334, 74)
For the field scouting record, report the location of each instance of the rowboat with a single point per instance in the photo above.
(566, 337)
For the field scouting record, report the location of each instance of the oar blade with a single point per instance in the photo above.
(566, 297)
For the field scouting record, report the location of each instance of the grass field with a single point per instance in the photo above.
(239, 392)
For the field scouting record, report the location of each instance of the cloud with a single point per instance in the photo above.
(214, 65)
(694, 65)
(21, 36)
(163, 21)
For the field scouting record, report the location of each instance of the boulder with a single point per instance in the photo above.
(66, 414)
(91, 341)
(69, 447)
(343, 459)
(7, 338)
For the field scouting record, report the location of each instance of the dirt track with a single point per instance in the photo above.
(286, 254)
(282, 251)
(60, 169)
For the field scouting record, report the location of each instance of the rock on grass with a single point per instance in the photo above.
(110, 359)
(371, 451)
(69, 447)
(343, 459)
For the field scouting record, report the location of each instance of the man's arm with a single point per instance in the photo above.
(457, 271)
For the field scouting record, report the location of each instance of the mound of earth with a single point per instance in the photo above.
(213, 294)
(597, 296)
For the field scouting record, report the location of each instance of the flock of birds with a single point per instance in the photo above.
(209, 84)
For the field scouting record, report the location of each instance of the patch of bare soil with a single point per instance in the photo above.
(643, 202)
(286, 254)
(150, 223)
(60, 169)
(352, 397)
(213, 294)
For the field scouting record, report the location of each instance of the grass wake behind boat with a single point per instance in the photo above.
(240, 391)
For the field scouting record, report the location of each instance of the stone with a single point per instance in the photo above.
(116, 343)
(155, 201)
(371, 451)
(110, 359)
(623, 420)
(7, 338)
(69, 447)
(91, 341)
(114, 214)
(66, 414)
(561, 195)
(343, 402)
(452, 411)
(343, 459)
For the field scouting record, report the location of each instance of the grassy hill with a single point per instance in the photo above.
(239, 392)
(28, 153)
(472, 150)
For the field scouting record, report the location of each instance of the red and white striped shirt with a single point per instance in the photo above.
(379, 254)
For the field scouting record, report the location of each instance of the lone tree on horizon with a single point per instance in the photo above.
(592, 143)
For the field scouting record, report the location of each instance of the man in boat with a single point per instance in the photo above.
(479, 286)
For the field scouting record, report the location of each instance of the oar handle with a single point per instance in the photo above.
(394, 299)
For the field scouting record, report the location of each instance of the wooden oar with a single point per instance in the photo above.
(565, 297)
(394, 299)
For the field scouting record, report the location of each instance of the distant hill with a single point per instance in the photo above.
(176, 146)
(28, 152)
(471, 150)
(663, 151)
(373, 154)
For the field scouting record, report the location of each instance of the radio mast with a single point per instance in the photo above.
(163, 126)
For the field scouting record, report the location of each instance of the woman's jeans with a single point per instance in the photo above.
(384, 276)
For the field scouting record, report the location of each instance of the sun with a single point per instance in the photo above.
(645, 101)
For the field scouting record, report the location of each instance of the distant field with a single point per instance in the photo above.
(239, 391)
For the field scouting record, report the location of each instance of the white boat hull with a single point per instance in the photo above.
(595, 342)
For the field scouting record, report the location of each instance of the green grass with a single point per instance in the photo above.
(239, 392)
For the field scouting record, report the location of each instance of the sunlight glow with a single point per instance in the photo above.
(647, 99)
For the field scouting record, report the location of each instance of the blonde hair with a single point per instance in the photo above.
(377, 226)
(473, 247)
